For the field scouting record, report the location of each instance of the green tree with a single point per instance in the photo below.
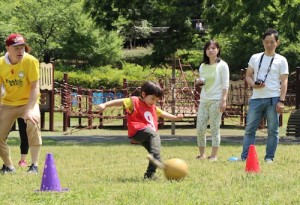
(44, 23)
(174, 14)
(59, 30)
(241, 23)
(135, 30)
(91, 45)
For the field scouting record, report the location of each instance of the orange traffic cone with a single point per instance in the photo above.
(252, 164)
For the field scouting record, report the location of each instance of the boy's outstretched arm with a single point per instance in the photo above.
(169, 116)
(117, 102)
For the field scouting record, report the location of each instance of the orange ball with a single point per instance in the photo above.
(176, 169)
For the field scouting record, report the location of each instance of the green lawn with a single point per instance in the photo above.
(111, 172)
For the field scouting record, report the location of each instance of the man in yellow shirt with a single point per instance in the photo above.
(19, 74)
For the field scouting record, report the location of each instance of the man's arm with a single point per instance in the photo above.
(249, 76)
(33, 97)
(283, 86)
(34, 94)
(250, 79)
(283, 90)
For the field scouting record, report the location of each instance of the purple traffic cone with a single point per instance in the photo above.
(50, 180)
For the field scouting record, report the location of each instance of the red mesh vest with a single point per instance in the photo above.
(141, 117)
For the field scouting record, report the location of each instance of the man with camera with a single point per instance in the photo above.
(267, 74)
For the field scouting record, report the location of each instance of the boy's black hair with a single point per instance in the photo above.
(152, 88)
(269, 32)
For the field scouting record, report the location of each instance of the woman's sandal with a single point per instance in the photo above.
(212, 159)
(201, 157)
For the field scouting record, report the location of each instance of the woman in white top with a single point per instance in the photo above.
(214, 76)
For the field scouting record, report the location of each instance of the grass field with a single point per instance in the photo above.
(111, 172)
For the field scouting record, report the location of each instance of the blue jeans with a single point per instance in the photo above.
(259, 108)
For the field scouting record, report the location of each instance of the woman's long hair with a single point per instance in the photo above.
(205, 57)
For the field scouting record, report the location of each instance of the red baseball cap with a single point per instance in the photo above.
(15, 39)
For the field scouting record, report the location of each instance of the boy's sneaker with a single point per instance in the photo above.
(6, 170)
(22, 163)
(150, 176)
(33, 169)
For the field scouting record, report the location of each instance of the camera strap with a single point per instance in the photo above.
(269, 68)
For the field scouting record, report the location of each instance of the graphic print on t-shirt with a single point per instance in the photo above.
(148, 116)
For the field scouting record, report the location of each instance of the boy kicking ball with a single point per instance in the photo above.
(142, 120)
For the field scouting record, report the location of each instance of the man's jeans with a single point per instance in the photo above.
(259, 108)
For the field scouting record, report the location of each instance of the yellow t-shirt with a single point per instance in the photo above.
(127, 102)
(17, 78)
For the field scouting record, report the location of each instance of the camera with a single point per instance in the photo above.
(259, 82)
(201, 81)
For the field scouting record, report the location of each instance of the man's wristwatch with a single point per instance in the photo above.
(282, 101)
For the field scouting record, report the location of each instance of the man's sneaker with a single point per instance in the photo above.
(22, 163)
(6, 170)
(33, 169)
(269, 161)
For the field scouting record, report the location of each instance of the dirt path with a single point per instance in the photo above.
(164, 138)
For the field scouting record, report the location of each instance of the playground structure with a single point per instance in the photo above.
(180, 96)
(293, 125)
(80, 103)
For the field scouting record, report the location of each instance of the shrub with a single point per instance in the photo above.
(109, 77)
